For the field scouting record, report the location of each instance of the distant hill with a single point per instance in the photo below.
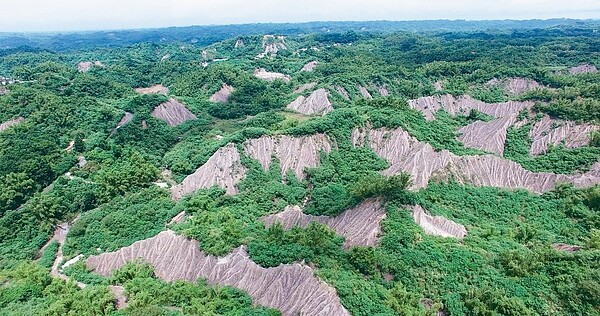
(206, 35)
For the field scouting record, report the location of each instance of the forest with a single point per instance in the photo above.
(399, 168)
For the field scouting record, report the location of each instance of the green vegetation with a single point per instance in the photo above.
(111, 179)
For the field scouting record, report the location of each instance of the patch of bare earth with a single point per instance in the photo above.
(515, 86)
(342, 92)
(305, 87)
(566, 248)
(429, 106)
(155, 89)
(360, 224)
(310, 66)
(364, 92)
(583, 69)
(293, 153)
(263, 74)
(86, 66)
(316, 103)
(224, 169)
(554, 132)
(272, 44)
(291, 288)
(223, 94)
(488, 136)
(6, 125)
(173, 113)
(423, 162)
(437, 225)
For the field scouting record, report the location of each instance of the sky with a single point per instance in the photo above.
(80, 15)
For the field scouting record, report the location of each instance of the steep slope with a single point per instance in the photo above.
(155, 89)
(488, 136)
(262, 73)
(583, 69)
(310, 66)
(293, 153)
(291, 288)
(316, 103)
(4, 126)
(360, 224)
(423, 162)
(173, 113)
(223, 94)
(554, 132)
(429, 106)
(437, 225)
(223, 168)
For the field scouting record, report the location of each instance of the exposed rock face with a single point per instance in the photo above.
(360, 224)
(310, 66)
(127, 117)
(305, 87)
(364, 92)
(86, 66)
(239, 43)
(173, 112)
(515, 86)
(488, 136)
(566, 248)
(291, 288)
(224, 169)
(583, 69)
(554, 132)
(437, 225)
(273, 44)
(316, 103)
(4, 126)
(383, 90)
(438, 85)
(261, 73)
(405, 153)
(342, 92)
(463, 105)
(293, 153)
(223, 94)
(119, 293)
(156, 89)
(494, 171)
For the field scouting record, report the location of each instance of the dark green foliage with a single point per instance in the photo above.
(308, 244)
(48, 256)
(121, 222)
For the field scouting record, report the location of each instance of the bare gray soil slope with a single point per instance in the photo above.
(4, 126)
(342, 91)
(437, 225)
(261, 73)
(514, 86)
(405, 153)
(86, 66)
(272, 44)
(291, 288)
(364, 92)
(293, 153)
(224, 169)
(223, 94)
(310, 66)
(316, 103)
(360, 224)
(583, 69)
(158, 89)
(173, 112)
(488, 136)
(554, 132)
(463, 105)
(305, 87)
